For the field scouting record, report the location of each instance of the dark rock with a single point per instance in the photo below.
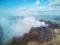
(39, 34)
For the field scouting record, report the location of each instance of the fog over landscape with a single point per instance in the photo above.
(16, 19)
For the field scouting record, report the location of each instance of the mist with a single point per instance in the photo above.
(18, 27)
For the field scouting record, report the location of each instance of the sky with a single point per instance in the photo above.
(29, 7)
(21, 3)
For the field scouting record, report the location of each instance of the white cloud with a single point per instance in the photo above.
(52, 9)
(36, 11)
(37, 2)
(32, 11)
(28, 11)
(54, 3)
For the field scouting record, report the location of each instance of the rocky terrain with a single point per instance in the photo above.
(40, 34)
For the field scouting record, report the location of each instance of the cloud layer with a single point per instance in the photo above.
(54, 3)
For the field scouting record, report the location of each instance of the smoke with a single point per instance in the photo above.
(19, 28)
(23, 26)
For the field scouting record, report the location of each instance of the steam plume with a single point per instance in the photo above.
(19, 28)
